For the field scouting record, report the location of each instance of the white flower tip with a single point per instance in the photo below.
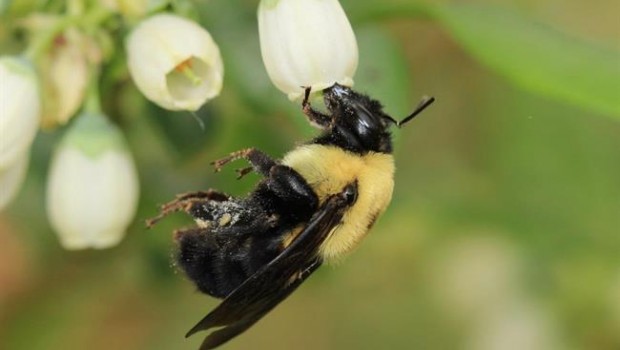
(318, 87)
(103, 240)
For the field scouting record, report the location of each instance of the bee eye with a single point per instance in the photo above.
(350, 193)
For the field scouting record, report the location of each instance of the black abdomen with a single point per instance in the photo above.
(218, 262)
(239, 236)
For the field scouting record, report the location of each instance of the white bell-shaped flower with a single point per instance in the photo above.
(11, 179)
(174, 62)
(92, 189)
(306, 43)
(20, 109)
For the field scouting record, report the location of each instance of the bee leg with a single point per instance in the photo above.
(260, 161)
(209, 194)
(286, 183)
(243, 172)
(186, 202)
(315, 117)
(292, 195)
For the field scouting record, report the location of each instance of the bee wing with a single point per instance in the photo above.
(272, 283)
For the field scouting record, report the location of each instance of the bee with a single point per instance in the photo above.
(313, 206)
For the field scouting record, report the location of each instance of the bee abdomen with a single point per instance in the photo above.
(219, 261)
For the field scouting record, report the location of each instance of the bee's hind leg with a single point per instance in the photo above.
(186, 202)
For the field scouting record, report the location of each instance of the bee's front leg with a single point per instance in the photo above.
(316, 118)
(260, 161)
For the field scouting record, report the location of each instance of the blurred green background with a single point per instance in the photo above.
(504, 230)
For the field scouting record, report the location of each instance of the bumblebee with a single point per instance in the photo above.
(312, 206)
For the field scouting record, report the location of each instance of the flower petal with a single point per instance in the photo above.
(20, 109)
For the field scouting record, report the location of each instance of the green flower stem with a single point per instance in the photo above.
(92, 105)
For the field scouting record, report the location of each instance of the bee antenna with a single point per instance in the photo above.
(394, 121)
(425, 102)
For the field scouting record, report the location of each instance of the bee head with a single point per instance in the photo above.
(361, 120)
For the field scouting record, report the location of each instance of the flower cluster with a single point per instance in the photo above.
(92, 185)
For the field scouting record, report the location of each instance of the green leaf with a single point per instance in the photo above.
(383, 72)
(371, 11)
(537, 57)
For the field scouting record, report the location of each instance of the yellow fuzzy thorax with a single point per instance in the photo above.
(328, 169)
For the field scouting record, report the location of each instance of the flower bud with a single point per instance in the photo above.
(64, 76)
(20, 109)
(11, 179)
(174, 62)
(92, 189)
(306, 43)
